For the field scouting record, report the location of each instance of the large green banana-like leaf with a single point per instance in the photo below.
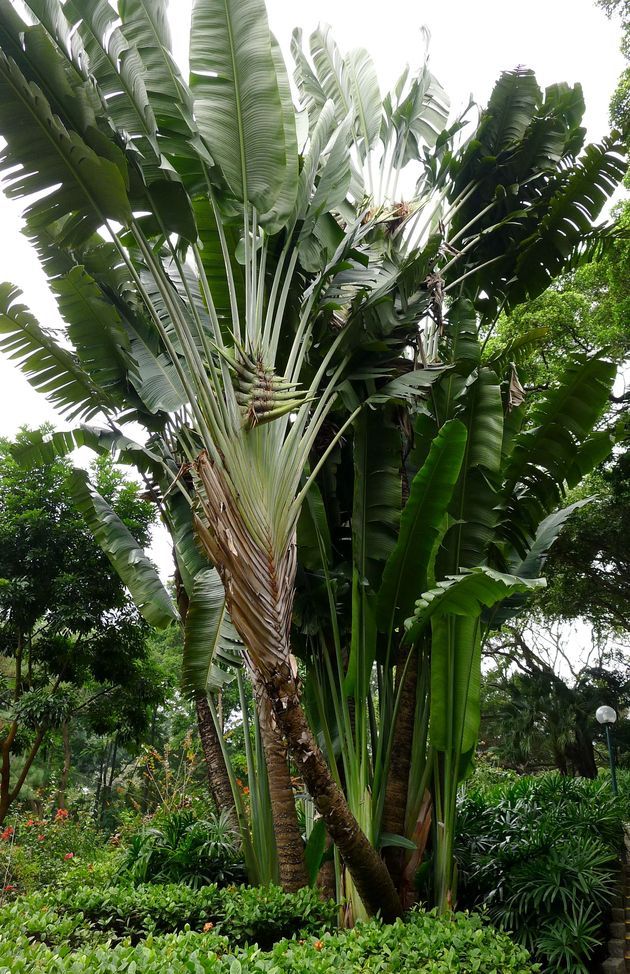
(118, 69)
(153, 374)
(406, 570)
(237, 99)
(284, 206)
(47, 158)
(466, 595)
(38, 448)
(455, 696)
(311, 93)
(543, 456)
(454, 607)
(366, 98)
(190, 559)
(313, 533)
(69, 94)
(532, 564)
(128, 559)
(569, 216)
(209, 636)
(473, 508)
(145, 25)
(95, 329)
(331, 70)
(377, 493)
(49, 367)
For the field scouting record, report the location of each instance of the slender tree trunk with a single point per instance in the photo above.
(259, 586)
(394, 811)
(326, 879)
(218, 779)
(67, 764)
(289, 845)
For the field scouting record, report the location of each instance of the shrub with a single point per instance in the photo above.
(179, 848)
(425, 945)
(38, 853)
(540, 855)
(243, 914)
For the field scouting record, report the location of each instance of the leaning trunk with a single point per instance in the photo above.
(259, 584)
(289, 845)
(218, 779)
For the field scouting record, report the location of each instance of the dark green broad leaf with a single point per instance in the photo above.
(237, 100)
(406, 570)
(49, 367)
(210, 639)
(129, 560)
(466, 595)
(46, 158)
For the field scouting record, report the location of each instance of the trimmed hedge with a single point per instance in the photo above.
(246, 915)
(426, 944)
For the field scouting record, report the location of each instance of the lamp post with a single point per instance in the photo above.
(606, 715)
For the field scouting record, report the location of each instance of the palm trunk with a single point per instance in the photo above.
(395, 807)
(368, 871)
(289, 845)
(259, 586)
(218, 779)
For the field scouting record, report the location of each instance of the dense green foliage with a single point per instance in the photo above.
(181, 848)
(72, 643)
(38, 854)
(541, 855)
(426, 944)
(242, 914)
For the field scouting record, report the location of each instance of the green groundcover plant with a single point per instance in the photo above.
(77, 915)
(541, 855)
(459, 944)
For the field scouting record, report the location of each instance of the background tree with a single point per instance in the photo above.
(540, 699)
(71, 639)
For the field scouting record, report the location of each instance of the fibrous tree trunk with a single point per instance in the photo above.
(289, 845)
(258, 575)
(395, 807)
(218, 778)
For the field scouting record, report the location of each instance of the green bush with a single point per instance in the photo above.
(425, 945)
(244, 914)
(37, 853)
(540, 855)
(179, 848)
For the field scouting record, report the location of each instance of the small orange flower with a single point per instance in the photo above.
(8, 832)
(208, 926)
(40, 838)
(318, 945)
(62, 815)
(9, 888)
(30, 822)
(69, 855)
(246, 791)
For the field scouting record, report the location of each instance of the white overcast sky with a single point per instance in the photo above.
(471, 42)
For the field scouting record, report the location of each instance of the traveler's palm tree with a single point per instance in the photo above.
(229, 282)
